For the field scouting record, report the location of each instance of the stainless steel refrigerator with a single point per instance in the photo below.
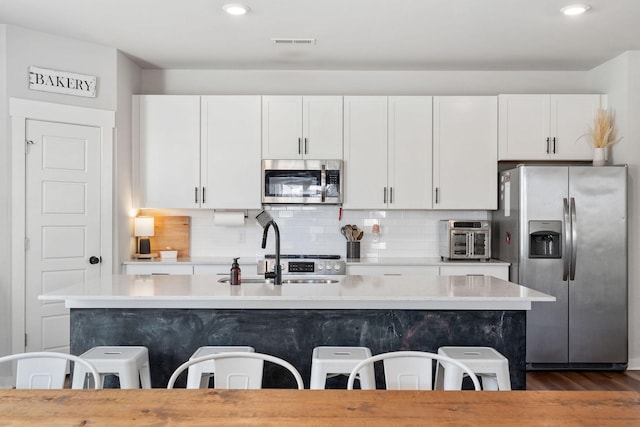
(564, 231)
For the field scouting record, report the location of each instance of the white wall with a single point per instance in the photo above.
(129, 82)
(5, 211)
(265, 82)
(620, 78)
(22, 48)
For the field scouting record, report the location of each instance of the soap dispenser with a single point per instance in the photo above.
(236, 276)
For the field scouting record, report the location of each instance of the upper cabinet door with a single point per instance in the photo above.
(410, 152)
(523, 127)
(322, 127)
(282, 127)
(465, 141)
(571, 116)
(168, 150)
(231, 128)
(546, 127)
(365, 152)
(297, 127)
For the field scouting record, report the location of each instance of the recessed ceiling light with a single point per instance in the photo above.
(235, 9)
(575, 9)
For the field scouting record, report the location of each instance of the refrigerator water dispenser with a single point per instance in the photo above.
(545, 239)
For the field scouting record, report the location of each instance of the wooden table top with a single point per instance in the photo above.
(280, 408)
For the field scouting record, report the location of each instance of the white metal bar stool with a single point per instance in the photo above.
(129, 363)
(487, 363)
(340, 361)
(199, 374)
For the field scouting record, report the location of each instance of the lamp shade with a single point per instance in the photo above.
(143, 226)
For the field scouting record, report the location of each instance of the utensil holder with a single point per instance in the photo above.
(353, 250)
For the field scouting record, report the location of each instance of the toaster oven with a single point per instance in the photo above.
(465, 239)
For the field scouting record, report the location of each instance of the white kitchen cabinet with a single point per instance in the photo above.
(387, 152)
(465, 145)
(302, 127)
(499, 271)
(231, 129)
(166, 138)
(198, 152)
(546, 127)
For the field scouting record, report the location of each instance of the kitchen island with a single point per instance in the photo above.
(173, 315)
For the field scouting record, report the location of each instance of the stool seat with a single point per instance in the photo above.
(486, 362)
(328, 360)
(199, 374)
(129, 363)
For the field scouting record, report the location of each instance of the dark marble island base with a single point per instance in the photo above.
(172, 335)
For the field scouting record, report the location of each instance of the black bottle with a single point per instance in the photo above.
(236, 276)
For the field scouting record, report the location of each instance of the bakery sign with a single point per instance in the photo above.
(62, 82)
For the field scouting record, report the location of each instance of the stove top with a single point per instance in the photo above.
(304, 264)
(294, 256)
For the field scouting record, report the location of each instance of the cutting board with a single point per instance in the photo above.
(173, 231)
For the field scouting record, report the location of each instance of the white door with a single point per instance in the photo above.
(63, 195)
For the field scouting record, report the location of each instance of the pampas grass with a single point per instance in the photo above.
(602, 133)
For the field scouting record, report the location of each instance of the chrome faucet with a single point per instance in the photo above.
(266, 221)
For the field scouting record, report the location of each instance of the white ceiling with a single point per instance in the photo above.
(351, 34)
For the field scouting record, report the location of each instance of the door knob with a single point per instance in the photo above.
(95, 260)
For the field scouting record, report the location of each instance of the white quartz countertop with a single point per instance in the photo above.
(350, 292)
(417, 261)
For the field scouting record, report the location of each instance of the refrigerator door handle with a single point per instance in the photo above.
(567, 240)
(574, 238)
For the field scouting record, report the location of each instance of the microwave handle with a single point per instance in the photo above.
(323, 183)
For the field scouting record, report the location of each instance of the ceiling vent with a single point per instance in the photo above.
(293, 41)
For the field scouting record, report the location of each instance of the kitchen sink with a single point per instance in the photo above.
(310, 281)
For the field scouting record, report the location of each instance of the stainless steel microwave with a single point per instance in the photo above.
(302, 181)
(465, 239)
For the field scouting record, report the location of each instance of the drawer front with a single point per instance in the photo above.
(499, 271)
(393, 270)
(158, 269)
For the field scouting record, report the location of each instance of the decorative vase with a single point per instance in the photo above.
(599, 156)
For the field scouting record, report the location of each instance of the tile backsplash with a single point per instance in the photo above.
(316, 230)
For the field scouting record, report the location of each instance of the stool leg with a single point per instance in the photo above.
(129, 377)
(79, 375)
(194, 377)
(504, 381)
(489, 382)
(452, 377)
(367, 377)
(145, 376)
(439, 381)
(318, 378)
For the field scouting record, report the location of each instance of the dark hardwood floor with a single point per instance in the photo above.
(583, 380)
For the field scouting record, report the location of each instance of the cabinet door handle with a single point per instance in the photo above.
(196, 194)
(547, 145)
(390, 194)
(299, 145)
(384, 197)
(306, 146)
(554, 145)
(204, 199)
(437, 194)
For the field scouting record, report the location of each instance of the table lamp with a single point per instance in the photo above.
(143, 229)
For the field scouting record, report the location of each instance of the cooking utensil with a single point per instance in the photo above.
(344, 232)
